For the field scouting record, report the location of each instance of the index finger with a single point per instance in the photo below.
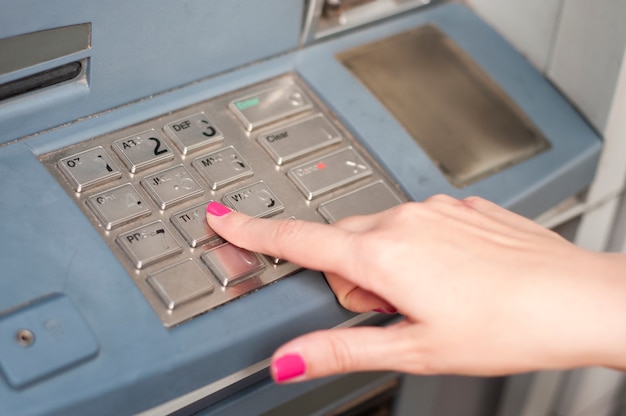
(308, 244)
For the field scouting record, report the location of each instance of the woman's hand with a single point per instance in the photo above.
(483, 291)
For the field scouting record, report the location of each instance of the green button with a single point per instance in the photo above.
(251, 102)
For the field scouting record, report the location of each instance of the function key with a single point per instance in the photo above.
(329, 172)
(222, 167)
(256, 200)
(270, 105)
(118, 206)
(370, 199)
(171, 186)
(193, 133)
(299, 139)
(231, 264)
(89, 168)
(148, 244)
(143, 150)
(180, 284)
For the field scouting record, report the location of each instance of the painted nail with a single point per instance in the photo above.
(390, 311)
(217, 209)
(287, 367)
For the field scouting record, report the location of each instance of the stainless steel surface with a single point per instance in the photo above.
(458, 115)
(143, 150)
(181, 283)
(298, 139)
(269, 105)
(256, 200)
(329, 17)
(89, 168)
(171, 186)
(193, 133)
(148, 244)
(175, 232)
(372, 198)
(222, 167)
(231, 264)
(191, 224)
(118, 206)
(328, 172)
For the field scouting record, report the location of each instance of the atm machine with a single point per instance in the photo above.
(121, 120)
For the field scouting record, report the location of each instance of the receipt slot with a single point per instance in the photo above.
(105, 173)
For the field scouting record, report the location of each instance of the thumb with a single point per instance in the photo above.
(343, 350)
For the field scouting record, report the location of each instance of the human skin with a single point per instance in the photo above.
(483, 291)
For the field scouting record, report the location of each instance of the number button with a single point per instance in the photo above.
(89, 168)
(222, 167)
(142, 150)
(193, 133)
(171, 186)
(148, 244)
(118, 206)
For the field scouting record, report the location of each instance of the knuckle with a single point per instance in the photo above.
(341, 355)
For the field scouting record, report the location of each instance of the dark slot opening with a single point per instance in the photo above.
(40, 80)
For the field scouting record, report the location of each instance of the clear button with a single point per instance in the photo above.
(298, 139)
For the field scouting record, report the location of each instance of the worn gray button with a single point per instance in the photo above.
(299, 139)
(222, 167)
(329, 172)
(118, 206)
(270, 105)
(256, 200)
(142, 150)
(191, 223)
(193, 133)
(231, 264)
(180, 284)
(370, 199)
(148, 244)
(89, 168)
(171, 186)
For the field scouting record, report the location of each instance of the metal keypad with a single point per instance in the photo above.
(268, 150)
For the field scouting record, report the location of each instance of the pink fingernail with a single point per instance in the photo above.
(217, 209)
(287, 367)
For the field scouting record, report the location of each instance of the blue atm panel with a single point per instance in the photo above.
(136, 114)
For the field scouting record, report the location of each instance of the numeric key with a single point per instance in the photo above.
(143, 150)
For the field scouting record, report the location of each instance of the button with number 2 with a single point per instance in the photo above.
(142, 150)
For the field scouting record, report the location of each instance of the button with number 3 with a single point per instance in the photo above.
(142, 150)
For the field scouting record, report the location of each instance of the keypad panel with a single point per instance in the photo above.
(269, 150)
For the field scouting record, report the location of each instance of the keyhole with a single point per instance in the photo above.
(25, 337)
